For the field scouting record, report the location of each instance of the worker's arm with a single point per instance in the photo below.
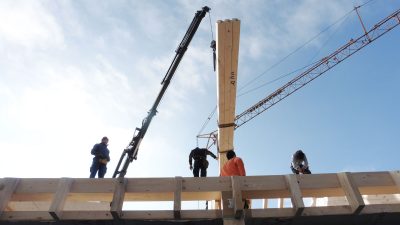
(295, 163)
(191, 159)
(95, 150)
(240, 166)
(211, 154)
(305, 162)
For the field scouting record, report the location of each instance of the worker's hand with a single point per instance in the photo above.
(191, 167)
(103, 161)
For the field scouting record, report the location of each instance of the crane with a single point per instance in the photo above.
(314, 71)
(131, 151)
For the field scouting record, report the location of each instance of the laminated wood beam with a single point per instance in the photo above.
(57, 205)
(118, 198)
(295, 192)
(237, 196)
(396, 178)
(227, 63)
(178, 198)
(7, 188)
(351, 191)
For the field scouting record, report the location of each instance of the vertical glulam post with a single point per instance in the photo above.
(178, 198)
(118, 197)
(237, 196)
(60, 197)
(351, 191)
(7, 188)
(295, 192)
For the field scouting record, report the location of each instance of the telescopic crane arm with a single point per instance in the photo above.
(130, 153)
(315, 71)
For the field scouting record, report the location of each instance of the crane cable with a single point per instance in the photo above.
(293, 52)
(343, 18)
(213, 46)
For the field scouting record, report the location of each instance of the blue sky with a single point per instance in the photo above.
(72, 72)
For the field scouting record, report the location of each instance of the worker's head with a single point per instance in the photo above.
(104, 140)
(230, 154)
(299, 154)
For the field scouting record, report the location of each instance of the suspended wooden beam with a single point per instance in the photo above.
(228, 32)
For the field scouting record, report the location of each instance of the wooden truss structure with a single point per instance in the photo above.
(66, 199)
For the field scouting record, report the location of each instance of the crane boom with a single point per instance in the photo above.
(315, 70)
(319, 68)
(130, 153)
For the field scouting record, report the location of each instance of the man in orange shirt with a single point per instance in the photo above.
(234, 167)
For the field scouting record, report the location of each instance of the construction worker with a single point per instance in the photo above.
(300, 163)
(234, 167)
(100, 159)
(200, 161)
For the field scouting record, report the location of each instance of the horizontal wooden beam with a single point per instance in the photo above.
(43, 199)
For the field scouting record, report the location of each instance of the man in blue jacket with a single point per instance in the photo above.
(100, 159)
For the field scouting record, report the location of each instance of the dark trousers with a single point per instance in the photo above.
(97, 167)
(199, 168)
(306, 171)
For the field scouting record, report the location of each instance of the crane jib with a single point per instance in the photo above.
(130, 152)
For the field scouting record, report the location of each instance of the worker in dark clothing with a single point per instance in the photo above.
(300, 163)
(200, 161)
(100, 159)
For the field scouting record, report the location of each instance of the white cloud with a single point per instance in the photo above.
(29, 24)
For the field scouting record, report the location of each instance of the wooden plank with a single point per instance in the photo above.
(37, 185)
(89, 185)
(395, 175)
(205, 184)
(232, 221)
(150, 185)
(178, 198)
(118, 198)
(372, 179)
(281, 202)
(28, 206)
(272, 182)
(265, 203)
(296, 195)
(272, 213)
(60, 197)
(319, 181)
(87, 215)
(381, 208)
(149, 215)
(200, 214)
(26, 215)
(237, 196)
(351, 191)
(169, 214)
(327, 210)
(7, 188)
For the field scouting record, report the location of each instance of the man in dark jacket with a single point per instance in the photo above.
(100, 159)
(200, 161)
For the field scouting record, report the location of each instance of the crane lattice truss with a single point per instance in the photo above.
(320, 67)
(316, 70)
